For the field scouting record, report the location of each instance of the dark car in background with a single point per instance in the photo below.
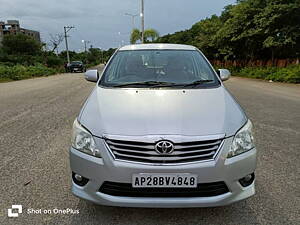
(76, 66)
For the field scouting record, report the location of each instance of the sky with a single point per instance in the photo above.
(103, 22)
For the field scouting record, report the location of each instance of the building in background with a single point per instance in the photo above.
(13, 27)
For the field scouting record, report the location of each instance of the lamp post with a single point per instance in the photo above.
(85, 43)
(142, 20)
(133, 17)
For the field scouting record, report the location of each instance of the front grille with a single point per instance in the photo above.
(126, 190)
(145, 151)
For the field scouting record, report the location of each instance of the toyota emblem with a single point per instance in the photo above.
(164, 147)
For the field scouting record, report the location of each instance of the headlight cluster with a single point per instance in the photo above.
(243, 141)
(83, 141)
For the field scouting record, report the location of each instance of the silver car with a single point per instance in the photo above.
(160, 130)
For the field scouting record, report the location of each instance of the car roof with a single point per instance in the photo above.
(157, 47)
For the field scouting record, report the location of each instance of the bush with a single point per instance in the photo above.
(290, 74)
(21, 44)
(54, 61)
(19, 72)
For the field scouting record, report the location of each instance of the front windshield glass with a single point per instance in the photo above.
(76, 62)
(159, 68)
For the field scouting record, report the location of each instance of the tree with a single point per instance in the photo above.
(149, 35)
(248, 30)
(135, 36)
(108, 53)
(20, 44)
(203, 35)
(237, 37)
(94, 55)
(72, 54)
(279, 22)
(55, 41)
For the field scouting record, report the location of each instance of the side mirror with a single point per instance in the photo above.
(91, 75)
(224, 74)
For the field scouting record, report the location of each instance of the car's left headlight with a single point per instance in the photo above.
(242, 141)
(83, 141)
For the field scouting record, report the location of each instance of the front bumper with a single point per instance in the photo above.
(98, 170)
(75, 69)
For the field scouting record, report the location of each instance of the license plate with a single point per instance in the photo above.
(180, 180)
(75, 68)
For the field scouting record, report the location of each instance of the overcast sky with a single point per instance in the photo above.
(103, 21)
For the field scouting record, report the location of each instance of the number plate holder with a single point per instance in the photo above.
(160, 180)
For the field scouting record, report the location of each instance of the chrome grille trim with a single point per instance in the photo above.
(148, 146)
(144, 152)
(165, 159)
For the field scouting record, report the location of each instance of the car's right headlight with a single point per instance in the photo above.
(83, 141)
(242, 141)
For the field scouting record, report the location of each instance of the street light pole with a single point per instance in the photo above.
(119, 39)
(66, 30)
(142, 19)
(85, 42)
(133, 17)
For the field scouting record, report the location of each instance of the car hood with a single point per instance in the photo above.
(199, 112)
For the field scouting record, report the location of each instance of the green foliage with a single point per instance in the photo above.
(290, 74)
(73, 55)
(54, 61)
(149, 35)
(20, 44)
(251, 29)
(19, 72)
(94, 56)
(135, 36)
(203, 39)
(107, 54)
(22, 57)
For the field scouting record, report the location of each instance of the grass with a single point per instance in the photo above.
(20, 72)
(289, 74)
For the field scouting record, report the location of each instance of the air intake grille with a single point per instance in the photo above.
(145, 152)
(126, 190)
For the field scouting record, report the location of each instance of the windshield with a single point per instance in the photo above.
(76, 63)
(159, 68)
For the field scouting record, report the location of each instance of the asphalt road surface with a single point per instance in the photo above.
(35, 126)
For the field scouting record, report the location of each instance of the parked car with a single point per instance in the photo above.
(160, 130)
(76, 66)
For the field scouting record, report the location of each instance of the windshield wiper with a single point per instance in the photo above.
(162, 84)
(146, 83)
(197, 82)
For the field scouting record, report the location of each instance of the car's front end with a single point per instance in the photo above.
(162, 147)
(76, 67)
(108, 177)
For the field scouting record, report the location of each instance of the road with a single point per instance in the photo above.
(35, 120)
